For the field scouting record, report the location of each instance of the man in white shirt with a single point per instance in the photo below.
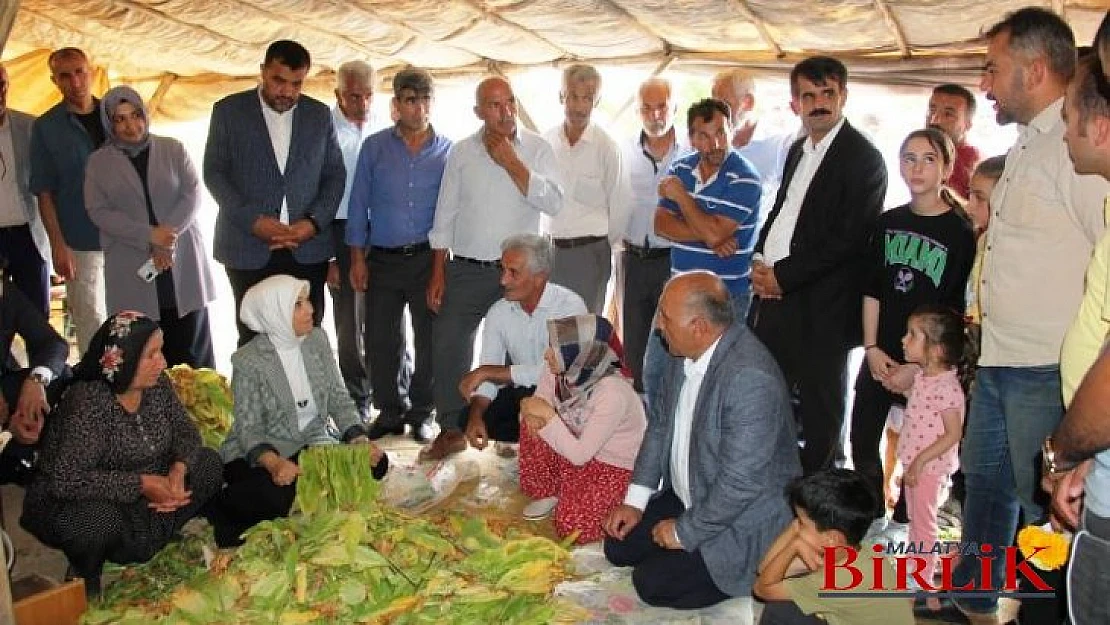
(496, 184)
(354, 91)
(273, 165)
(763, 146)
(814, 249)
(647, 256)
(23, 239)
(1046, 221)
(514, 340)
(590, 165)
(706, 498)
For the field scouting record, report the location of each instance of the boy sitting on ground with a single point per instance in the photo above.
(832, 508)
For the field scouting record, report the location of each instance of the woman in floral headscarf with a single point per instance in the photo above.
(122, 467)
(581, 430)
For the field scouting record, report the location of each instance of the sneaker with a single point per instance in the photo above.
(421, 426)
(540, 509)
(505, 450)
(383, 426)
(449, 442)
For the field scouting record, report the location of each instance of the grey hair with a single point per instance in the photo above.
(739, 80)
(656, 82)
(714, 304)
(538, 248)
(580, 72)
(356, 70)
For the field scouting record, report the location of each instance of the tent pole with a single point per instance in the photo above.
(7, 20)
(156, 100)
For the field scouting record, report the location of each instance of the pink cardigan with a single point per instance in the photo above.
(614, 429)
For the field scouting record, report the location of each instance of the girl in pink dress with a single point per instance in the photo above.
(928, 446)
(581, 430)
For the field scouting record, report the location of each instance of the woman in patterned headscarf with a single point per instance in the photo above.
(122, 466)
(581, 430)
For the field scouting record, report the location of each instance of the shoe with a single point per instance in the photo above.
(540, 509)
(421, 427)
(449, 442)
(505, 450)
(384, 426)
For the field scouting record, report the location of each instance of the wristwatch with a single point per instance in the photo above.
(1051, 464)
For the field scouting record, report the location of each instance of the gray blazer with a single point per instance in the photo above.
(21, 144)
(265, 411)
(116, 203)
(743, 453)
(242, 174)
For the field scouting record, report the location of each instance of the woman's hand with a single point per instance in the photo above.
(283, 472)
(162, 257)
(879, 363)
(537, 410)
(159, 491)
(900, 379)
(176, 478)
(163, 236)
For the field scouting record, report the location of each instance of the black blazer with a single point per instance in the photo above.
(45, 348)
(822, 277)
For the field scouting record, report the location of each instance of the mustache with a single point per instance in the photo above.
(816, 112)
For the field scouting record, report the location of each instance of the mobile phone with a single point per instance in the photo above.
(148, 272)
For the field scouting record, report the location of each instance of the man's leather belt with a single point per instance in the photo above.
(646, 253)
(404, 250)
(566, 244)
(475, 261)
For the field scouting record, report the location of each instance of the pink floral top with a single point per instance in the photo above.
(929, 397)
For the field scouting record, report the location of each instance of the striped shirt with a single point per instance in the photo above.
(734, 192)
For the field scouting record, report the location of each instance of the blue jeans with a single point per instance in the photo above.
(656, 355)
(1013, 409)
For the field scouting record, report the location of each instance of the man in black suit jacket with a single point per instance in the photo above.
(27, 393)
(811, 260)
(273, 164)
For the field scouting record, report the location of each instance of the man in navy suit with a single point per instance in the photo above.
(273, 165)
(811, 257)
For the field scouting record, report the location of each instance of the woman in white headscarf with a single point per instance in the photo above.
(288, 392)
(143, 193)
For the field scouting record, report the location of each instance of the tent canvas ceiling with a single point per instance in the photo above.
(187, 53)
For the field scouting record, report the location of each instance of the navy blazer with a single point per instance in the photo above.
(822, 278)
(242, 174)
(743, 453)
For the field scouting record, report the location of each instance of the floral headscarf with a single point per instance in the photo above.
(587, 350)
(115, 350)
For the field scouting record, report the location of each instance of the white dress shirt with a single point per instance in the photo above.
(12, 212)
(637, 223)
(280, 128)
(510, 331)
(767, 152)
(777, 245)
(479, 205)
(595, 182)
(1045, 223)
(350, 138)
(638, 494)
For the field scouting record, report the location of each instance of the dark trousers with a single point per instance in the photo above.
(281, 262)
(26, 266)
(468, 293)
(17, 460)
(186, 340)
(502, 417)
(869, 412)
(400, 385)
(671, 578)
(814, 361)
(787, 613)
(248, 498)
(350, 314)
(643, 286)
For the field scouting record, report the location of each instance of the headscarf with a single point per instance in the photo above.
(108, 104)
(587, 350)
(116, 349)
(267, 308)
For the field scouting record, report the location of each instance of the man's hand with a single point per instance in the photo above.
(1067, 495)
(64, 263)
(302, 230)
(476, 433)
(726, 247)
(333, 278)
(360, 273)
(163, 236)
(30, 410)
(621, 520)
(664, 534)
(470, 382)
(434, 292)
(764, 282)
(671, 188)
(274, 233)
(500, 149)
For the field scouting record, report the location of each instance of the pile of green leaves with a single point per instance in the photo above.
(206, 396)
(349, 560)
